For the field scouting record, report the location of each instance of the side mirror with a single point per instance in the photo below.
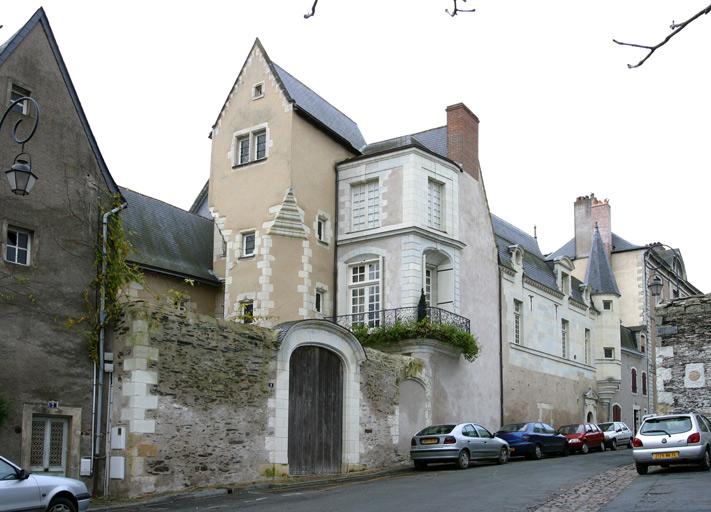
(619, 430)
(23, 475)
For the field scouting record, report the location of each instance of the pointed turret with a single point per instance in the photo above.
(599, 274)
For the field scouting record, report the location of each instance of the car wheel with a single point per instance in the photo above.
(463, 460)
(706, 461)
(537, 452)
(420, 465)
(61, 504)
(585, 448)
(503, 456)
(613, 444)
(641, 469)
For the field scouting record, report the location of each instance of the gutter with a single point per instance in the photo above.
(501, 358)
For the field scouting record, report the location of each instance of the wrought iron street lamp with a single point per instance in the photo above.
(20, 175)
(656, 286)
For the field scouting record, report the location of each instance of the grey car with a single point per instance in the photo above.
(616, 434)
(673, 439)
(20, 490)
(459, 443)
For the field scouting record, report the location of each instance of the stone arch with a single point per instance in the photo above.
(319, 333)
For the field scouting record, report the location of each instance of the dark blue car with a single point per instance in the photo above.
(533, 440)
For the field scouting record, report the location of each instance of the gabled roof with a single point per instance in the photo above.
(599, 274)
(167, 239)
(40, 18)
(309, 104)
(619, 244)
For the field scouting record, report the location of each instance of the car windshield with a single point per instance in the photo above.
(607, 427)
(661, 426)
(514, 427)
(435, 430)
(571, 429)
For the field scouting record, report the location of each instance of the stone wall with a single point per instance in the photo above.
(684, 355)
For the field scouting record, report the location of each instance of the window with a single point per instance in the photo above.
(518, 309)
(431, 285)
(588, 355)
(243, 149)
(48, 449)
(321, 229)
(247, 311)
(616, 413)
(258, 91)
(609, 352)
(634, 380)
(365, 205)
(248, 244)
(565, 283)
(7, 472)
(483, 432)
(16, 93)
(365, 293)
(260, 143)
(564, 338)
(17, 246)
(642, 344)
(607, 305)
(469, 431)
(435, 193)
(318, 301)
(644, 383)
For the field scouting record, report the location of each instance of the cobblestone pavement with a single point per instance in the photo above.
(592, 494)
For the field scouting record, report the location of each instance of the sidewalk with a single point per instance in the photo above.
(293, 483)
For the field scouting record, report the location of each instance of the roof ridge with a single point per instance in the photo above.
(164, 202)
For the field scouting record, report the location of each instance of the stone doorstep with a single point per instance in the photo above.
(289, 484)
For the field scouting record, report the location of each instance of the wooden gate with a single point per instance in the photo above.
(315, 411)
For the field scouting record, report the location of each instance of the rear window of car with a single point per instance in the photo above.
(436, 430)
(607, 427)
(571, 429)
(514, 427)
(662, 426)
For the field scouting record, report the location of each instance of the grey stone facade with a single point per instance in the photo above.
(684, 355)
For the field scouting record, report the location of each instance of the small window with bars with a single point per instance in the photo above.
(564, 338)
(518, 311)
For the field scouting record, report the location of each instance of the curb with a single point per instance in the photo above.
(257, 486)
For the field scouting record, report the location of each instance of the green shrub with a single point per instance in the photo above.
(399, 331)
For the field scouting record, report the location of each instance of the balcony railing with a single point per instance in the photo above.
(388, 317)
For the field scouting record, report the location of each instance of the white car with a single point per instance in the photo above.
(616, 434)
(20, 490)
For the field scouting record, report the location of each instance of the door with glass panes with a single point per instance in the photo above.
(48, 452)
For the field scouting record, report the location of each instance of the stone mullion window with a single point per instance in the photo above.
(564, 338)
(518, 308)
(365, 205)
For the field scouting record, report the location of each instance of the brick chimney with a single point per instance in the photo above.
(463, 138)
(587, 211)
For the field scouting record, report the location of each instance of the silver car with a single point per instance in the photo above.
(616, 434)
(460, 444)
(673, 439)
(20, 490)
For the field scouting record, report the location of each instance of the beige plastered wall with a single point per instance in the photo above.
(628, 268)
(162, 289)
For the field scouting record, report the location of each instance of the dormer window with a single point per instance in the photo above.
(565, 283)
(258, 91)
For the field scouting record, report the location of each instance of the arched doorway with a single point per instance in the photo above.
(413, 414)
(590, 417)
(616, 413)
(315, 411)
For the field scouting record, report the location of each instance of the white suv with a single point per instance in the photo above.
(20, 490)
(673, 439)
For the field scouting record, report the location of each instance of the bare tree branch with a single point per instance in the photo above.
(313, 11)
(675, 27)
(457, 10)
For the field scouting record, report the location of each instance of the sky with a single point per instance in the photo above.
(561, 114)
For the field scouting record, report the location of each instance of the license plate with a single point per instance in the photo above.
(666, 455)
(430, 440)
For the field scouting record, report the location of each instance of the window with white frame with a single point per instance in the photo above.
(321, 229)
(564, 336)
(18, 246)
(250, 147)
(364, 293)
(587, 347)
(518, 311)
(431, 285)
(435, 204)
(248, 243)
(17, 92)
(365, 205)
(258, 91)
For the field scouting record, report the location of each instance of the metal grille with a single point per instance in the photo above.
(388, 317)
(37, 443)
(56, 443)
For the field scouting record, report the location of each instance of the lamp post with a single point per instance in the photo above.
(20, 175)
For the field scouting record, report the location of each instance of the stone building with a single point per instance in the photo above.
(48, 240)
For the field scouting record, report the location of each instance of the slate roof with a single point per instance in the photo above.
(433, 140)
(167, 239)
(599, 275)
(534, 265)
(198, 205)
(40, 18)
(619, 244)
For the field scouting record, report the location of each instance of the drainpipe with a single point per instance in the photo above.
(335, 251)
(102, 330)
(501, 357)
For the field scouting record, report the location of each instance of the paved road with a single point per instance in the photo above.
(682, 488)
(518, 485)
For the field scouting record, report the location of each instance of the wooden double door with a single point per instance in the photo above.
(315, 412)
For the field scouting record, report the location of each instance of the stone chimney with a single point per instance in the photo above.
(589, 210)
(463, 138)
